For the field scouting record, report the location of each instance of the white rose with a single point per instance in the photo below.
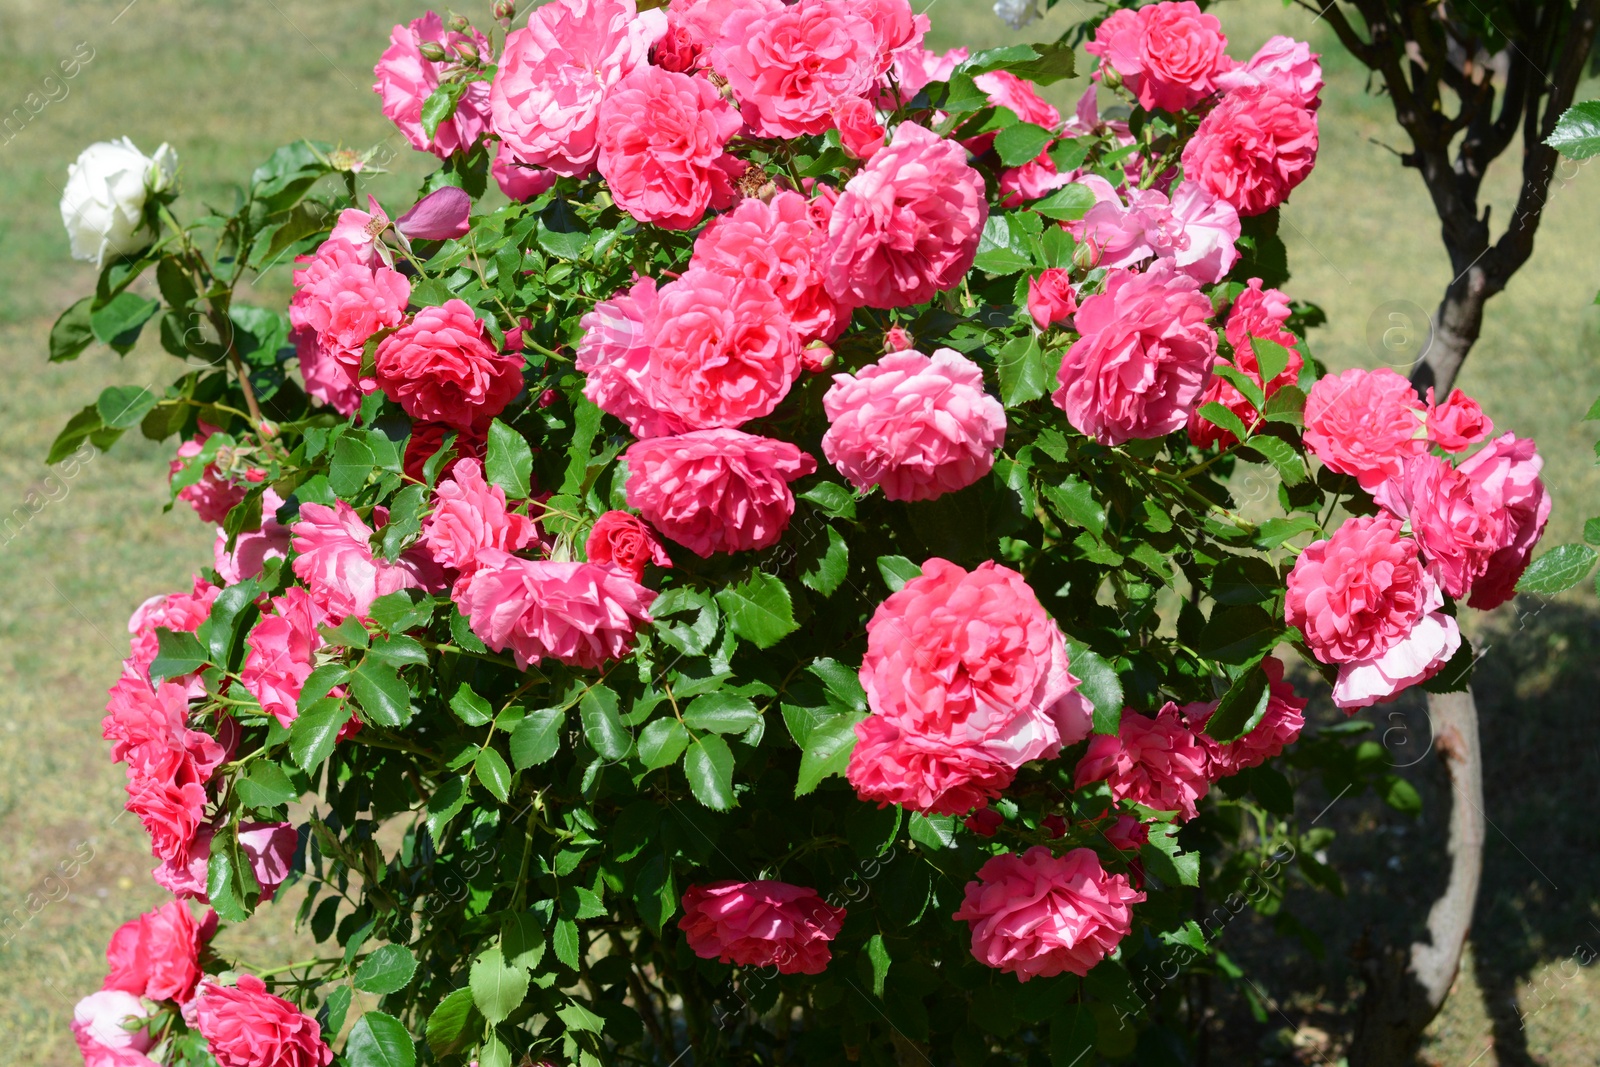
(103, 206)
(1016, 13)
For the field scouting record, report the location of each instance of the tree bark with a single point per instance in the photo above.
(1405, 990)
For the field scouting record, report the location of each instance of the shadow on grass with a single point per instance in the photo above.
(1537, 687)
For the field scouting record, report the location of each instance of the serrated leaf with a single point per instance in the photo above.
(722, 713)
(86, 425)
(828, 571)
(1224, 417)
(1069, 203)
(661, 743)
(833, 498)
(1023, 374)
(1164, 859)
(1074, 501)
(440, 105)
(265, 786)
(1002, 247)
(897, 571)
(446, 801)
(1021, 143)
(759, 609)
(602, 728)
(1238, 634)
(72, 332)
(492, 773)
(351, 465)
(179, 653)
(878, 956)
(469, 707)
(1100, 685)
(565, 942)
(1281, 454)
(498, 988)
(537, 738)
(124, 406)
(578, 1017)
(1240, 708)
(117, 321)
(709, 766)
(508, 461)
(387, 970)
(1577, 131)
(451, 1027)
(314, 731)
(381, 693)
(1557, 570)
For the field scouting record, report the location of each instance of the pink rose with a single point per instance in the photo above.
(661, 146)
(1257, 312)
(1364, 602)
(182, 612)
(860, 132)
(518, 180)
(554, 74)
(722, 350)
(915, 68)
(1458, 524)
(1279, 727)
(1458, 423)
(440, 367)
(1051, 298)
(907, 225)
(1169, 55)
(1158, 762)
(1033, 180)
(334, 558)
(281, 646)
(1365, 424)
(1205, 230)
(1193, 230)
(428, 437)
(622, 539)
(1283, 63)
(1019, 96)
(694, 26)
(891, 765)
(917, 426)
(325, 377)
(894, 26)
(252, 548)
(469, 518)
(777, 242)
(149, 731)
(100, 1027)
(760, 924)
(1142, 360)
(1253, 149)
(1038, 915)
(1128, 834)
(583, 614)
(790, 65)
(406, 80)
(970, 668)
(157, 955)
(1506, 472)
(246, 1026)
(716, 490)
(614, 355)
(345, 300)
(269, 848)
(170, 804)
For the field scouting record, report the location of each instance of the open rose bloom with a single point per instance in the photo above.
(833, 530)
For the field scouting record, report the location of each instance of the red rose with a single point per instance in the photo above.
(441, 368)
(625, 540)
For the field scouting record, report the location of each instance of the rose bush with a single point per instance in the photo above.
(810, 559)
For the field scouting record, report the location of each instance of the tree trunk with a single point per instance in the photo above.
(1406, 990)
(1456, 325)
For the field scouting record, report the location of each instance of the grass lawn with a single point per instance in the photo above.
(224, 83)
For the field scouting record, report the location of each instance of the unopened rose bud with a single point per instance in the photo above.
(1054, 825)
(897, 340)
(467, 51)
(1110, 78)
(816, 357)
(1086, 256)
(458, 24)
(984, 822)
(433, 51)
(505, 10)
(547, 398)
(268, 430)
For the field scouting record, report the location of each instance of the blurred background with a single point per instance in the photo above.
(224, 83)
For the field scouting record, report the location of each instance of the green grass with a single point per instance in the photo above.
(224, 83)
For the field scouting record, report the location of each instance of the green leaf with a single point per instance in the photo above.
(691, 637)
(1164, 859)
(833, 498)
(1099, 683)
(759, 609)
(118, 320)
(565, 942)
(826, 739)
(319, 683)
(829, 569)
(897, 571)
(1240, 708)
(446, 801)
(179, 654)
(1055, 62)
(1591, 531)
(522, 940)
(381, 693)
(1577, 132)
(387, 970)
(266, 786)
(349, 633)
(1003, 247)
(1024, 375)
(709, 765)
(1275, 532)
(498, 989)
(471, 708)
(1272, 359)
(1243, 382)
(537, 738)
(1400, 794)
(440, 105)
(397, 612)
(1281, 454)
(1557, 570)
(1021, 143)
(1073, 500)
(379, 1040)
(1072, 1036)
(661, 743)
(451, 1027)
(84, 426)
(878, 956)
(578, 1017)
(72, 332)
(1224, 417)
(602, 728)
(586, 426)
(722, 713)
(125, 406)
(1286, 405)
(1070, 203)
(493, 1052)
(1238, 634)
(492, 773)
(405, 520)
(314, 731)
(508, 460)
(350, 466)
(935, 832)
(337, 1006)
